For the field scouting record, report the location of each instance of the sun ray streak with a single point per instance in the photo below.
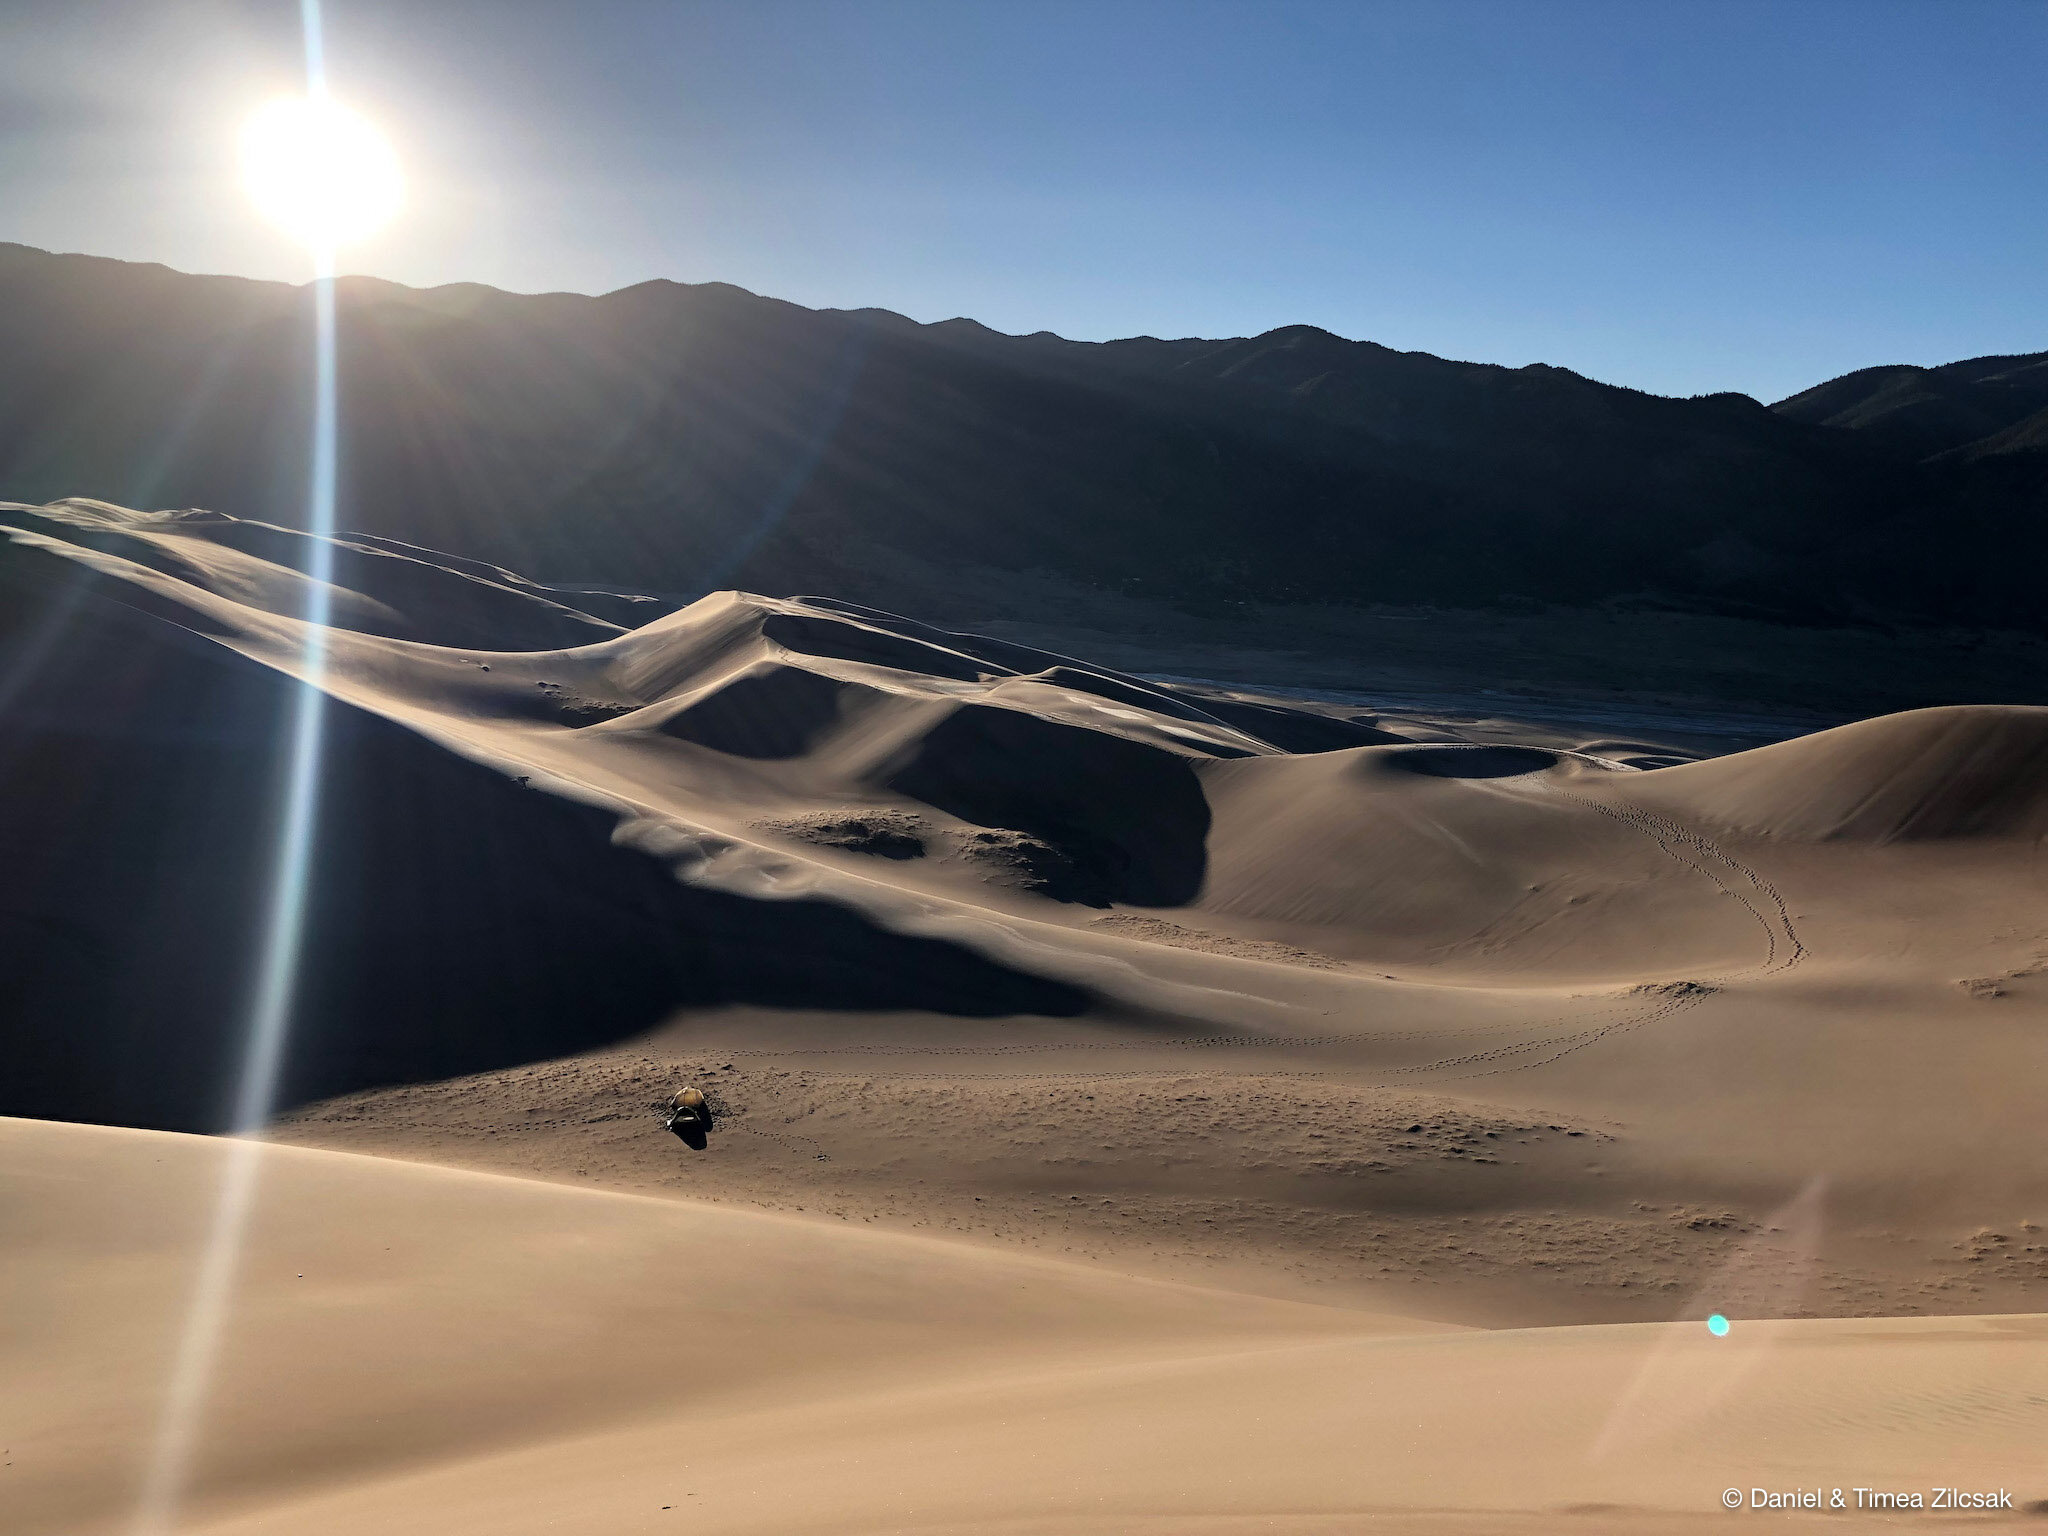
(182, 1414)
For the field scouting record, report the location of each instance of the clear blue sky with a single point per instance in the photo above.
(1683, 197)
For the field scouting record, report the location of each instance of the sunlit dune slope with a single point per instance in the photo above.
(411, 1348)
(1962, 771)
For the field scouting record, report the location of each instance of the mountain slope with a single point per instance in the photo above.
(699, 436)
(1919, 412)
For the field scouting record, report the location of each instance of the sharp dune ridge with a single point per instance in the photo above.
(1270, 1044)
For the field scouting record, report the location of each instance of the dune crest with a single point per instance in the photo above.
(1960, 771)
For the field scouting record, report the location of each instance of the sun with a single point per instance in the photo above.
(320, 172)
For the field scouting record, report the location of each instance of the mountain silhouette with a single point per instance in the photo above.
(1977, 408)
(681, 438)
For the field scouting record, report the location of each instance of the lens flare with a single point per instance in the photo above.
(320, 172)
(1683, 1377)
(327, 176)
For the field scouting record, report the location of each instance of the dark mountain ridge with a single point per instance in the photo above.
(1975, 408)
(684, 437)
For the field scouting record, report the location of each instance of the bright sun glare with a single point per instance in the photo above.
(319, 171)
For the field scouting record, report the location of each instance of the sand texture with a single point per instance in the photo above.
(1142, 1105)
(419, 1348)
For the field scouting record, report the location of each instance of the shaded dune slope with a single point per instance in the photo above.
(459, 920)
(379, 586)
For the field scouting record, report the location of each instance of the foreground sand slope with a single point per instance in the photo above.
(412, 1348)
(393, 1315)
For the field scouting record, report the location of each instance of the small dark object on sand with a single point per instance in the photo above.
(689, 1117)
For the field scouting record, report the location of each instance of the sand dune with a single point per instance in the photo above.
(1960, 772)
(1224, 1028)
(392, 1316)
(415, 1348)
(792, 834)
